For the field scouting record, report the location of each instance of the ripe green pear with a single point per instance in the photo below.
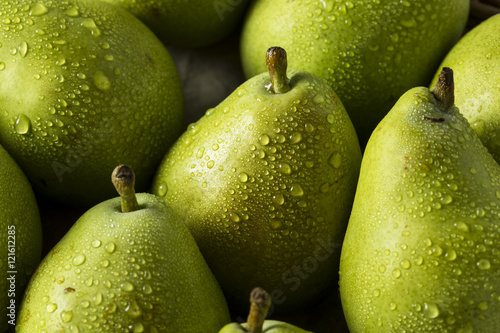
(260, 302)
(421, 250)
(370, 52)
(21, 237)
(196, 23)
(77, 80)
(127, 265)
(475, 60)
(265, 182)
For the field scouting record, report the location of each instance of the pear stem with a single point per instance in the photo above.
(260, 302)
(276, 62)
(123, 179)
(444, 91)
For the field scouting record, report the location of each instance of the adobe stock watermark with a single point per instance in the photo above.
(298, 273)
(11, 274)
(224, 6)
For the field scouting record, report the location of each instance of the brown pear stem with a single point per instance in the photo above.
(444, 91)
(260, 302)
(123, 179)
(276, 62)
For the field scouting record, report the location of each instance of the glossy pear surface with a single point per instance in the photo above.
(270, 326)
(475, 59)
(370, 52)
(124, 272)
(265, 183)
(421, 248)
(77, 80)
(197, 23)
(21, 237)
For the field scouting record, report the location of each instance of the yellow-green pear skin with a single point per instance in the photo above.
(370, 52)
(21, 237)
(194, 23)
(124, 272)
(421, 250)
(270, 326)
(475, 59)
(77, 79)
(265, 182)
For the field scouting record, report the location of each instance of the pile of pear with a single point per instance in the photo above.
(350, 179)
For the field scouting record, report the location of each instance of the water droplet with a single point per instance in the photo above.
(483, 306)
(23, 49)
(405, 264)
(431, 310)
(97, 298)
(484, 264)
(127, 286)
(451, 255)
(264, 139)
(396, 273)
(318, 99)
(278, 199)
(147, 289)
(2, 66)
(330, 118)
(66, 316)
(79, 259)
(92, 27)
(243, 177)
(200, 152)
(275, 224)
(38, 9)
(51, 307)
(335, 160)
(296, 190)
(101, 81)
(110, 247)
(295, 138)
(285, 168)
(133, 309)
(23, 124)
(72, 12)
(96, 243)
(162, 189)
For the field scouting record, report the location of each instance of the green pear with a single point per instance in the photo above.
(260, 302)
(21, 237)
(265, 182)
(475, 60)
(77, 80)
(197, 23)
(129, 264)
(370, 52)
(421, 250)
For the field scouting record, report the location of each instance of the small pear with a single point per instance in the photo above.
(475, 60)
(128, 264)
(21, 237)
(265, 182)
(421, 250)
(260, 302)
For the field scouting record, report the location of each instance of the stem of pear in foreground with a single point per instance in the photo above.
(276, 62)
(123, 179)
(260, 302)
(445, 88)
